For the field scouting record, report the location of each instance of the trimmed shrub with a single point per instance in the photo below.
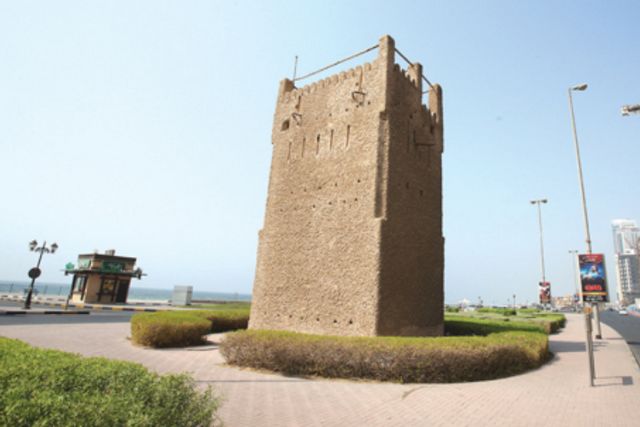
(184, 328)
(468, 325)
(472, 324)
(553, 322)
(441, 359)
(500, 311)
(52, 388)
(169, 329)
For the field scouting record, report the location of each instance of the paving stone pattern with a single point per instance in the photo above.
(555, 395)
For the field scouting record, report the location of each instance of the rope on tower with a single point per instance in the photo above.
(336, 63)
(411, 63)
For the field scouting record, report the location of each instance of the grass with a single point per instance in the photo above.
(548, 322)
(236, 305)
(181, 328)
(52, 388)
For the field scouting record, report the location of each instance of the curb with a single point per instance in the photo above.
(92, 306)
(54, 312)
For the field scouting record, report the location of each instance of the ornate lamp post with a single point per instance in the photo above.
(35, 272)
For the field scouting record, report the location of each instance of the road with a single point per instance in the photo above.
(48, 319)
(627, 326)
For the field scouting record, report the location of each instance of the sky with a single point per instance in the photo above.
(145, 127)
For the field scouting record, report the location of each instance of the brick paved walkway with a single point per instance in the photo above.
(555, 395)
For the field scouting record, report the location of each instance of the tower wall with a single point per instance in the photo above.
(347, 248)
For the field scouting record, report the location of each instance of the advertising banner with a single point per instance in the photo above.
(593, 278)
(545, 292)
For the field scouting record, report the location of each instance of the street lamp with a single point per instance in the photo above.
(627, 110)
(574, 256)
(587, 316)
(580, 87)
(35, 272)
(538, 202)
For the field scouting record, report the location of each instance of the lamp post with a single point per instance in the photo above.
(574, 255)
(34, 273)
(582, 87)
(538, 202)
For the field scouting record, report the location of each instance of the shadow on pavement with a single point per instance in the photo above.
(609, 381)
(567, 347)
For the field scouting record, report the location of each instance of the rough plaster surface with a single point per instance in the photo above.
(352, 239)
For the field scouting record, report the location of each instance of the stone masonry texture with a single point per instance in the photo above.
(352, 240)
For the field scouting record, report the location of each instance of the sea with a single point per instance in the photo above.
(135, 293)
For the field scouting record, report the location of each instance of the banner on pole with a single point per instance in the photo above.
(593, 278)
(545, 292)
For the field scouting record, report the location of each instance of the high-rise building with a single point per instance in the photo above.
(626, 247)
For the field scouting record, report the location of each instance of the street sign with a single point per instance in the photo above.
(34, 273)
(593, 278)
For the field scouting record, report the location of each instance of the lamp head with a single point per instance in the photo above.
(32, 245)
(54, 247)
(628, 109)
(582, 86)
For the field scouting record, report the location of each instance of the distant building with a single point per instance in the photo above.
(563, 301)
(102, 278)
(626, 247)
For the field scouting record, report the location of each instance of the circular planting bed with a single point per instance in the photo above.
(476, 349)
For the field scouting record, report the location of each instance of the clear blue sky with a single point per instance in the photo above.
(145, 126)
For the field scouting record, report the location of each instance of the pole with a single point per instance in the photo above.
(574, 255)
(587, 327)
(295, 68)
(585, 216)
(538, 202)
(580, 178)
(595, 306)
(544, 276)
(27, 302)
(73, 285)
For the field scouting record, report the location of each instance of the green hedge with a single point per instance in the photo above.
(184, 328)
(553, 321)
(52, 388)
(440, 359)
(460, 325)
(501, 311)
(474, 324)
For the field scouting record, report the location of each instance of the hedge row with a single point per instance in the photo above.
(501, 311)
(473, 325)
(461, 325)
(184, 328)
(442, 359)
(52, 388)
(552, 322)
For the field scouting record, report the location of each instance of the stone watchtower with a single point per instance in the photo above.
(352, 241)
